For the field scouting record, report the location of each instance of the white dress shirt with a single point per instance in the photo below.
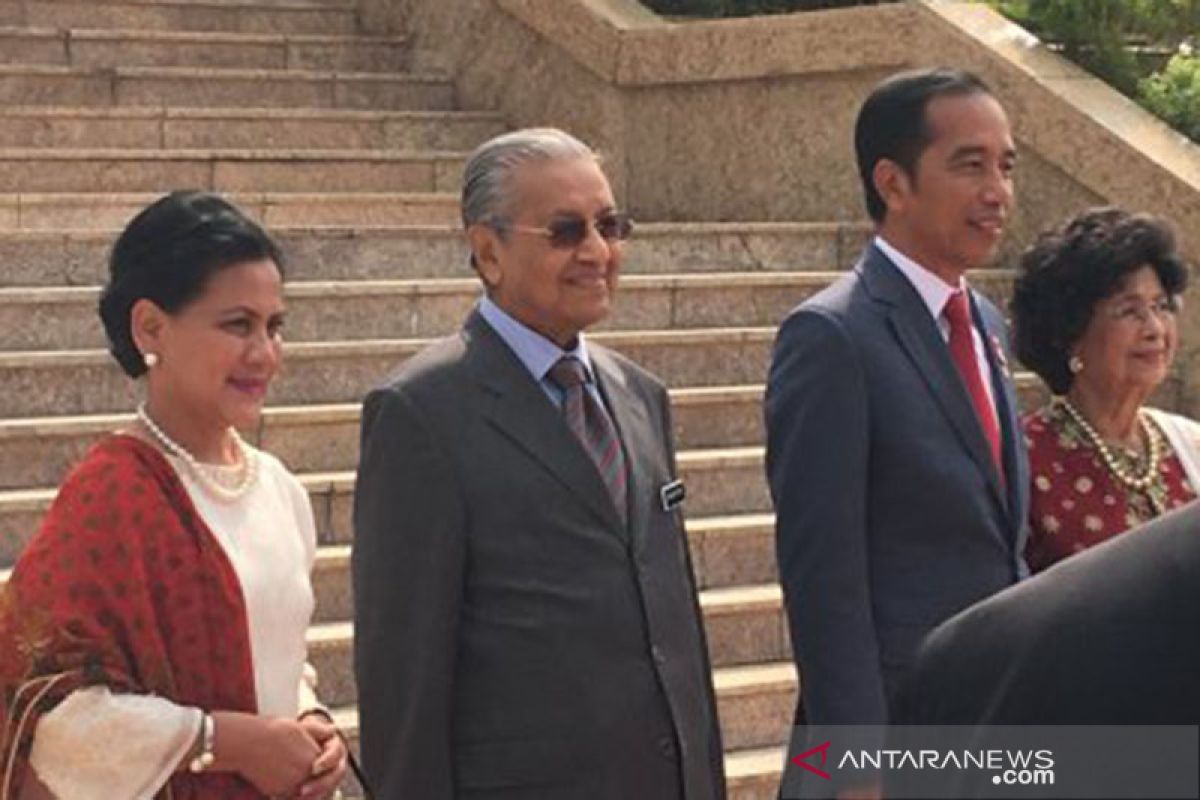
(935, 293)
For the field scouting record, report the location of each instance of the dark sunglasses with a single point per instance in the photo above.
(569, 232)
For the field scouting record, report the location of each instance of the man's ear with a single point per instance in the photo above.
(485, 244)
(893, 184)
(146, 323)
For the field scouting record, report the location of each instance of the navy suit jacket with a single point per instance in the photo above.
(891, 516)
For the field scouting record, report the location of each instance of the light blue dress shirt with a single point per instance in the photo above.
(536, 352)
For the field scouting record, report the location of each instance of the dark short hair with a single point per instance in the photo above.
(1066, 272)
(892, 123)
(167, 253)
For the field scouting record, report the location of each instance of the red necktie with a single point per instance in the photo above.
(962, 350)
(592, 426)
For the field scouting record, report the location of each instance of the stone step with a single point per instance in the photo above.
(721, 481)
(74, 382)
(754, 774)
(733, 609)
(73, 211)
(38, 451)
(90, 48)
(310, 4)
(724, 481)
(756, 704)
(246, 128)
(36, 258)
(44, 383)
(248, 16)
(726, 552)
(65, 318)
(35, 170)
(732, 549)
(744, 625)
(207, 87)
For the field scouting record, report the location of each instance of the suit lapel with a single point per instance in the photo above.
(918, 334)
(637, 435)
(519, 409)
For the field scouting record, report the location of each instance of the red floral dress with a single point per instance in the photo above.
(1075, 501)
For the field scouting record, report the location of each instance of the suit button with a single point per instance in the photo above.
(666, 746)
(657, 654)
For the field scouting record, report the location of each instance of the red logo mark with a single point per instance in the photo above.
(823, 749)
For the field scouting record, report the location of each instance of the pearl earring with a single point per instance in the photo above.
(150, 359)
(1075, 364)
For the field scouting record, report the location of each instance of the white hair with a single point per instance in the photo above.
(489, 170)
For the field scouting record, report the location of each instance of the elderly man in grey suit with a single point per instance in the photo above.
(527, 625)
(894, 455)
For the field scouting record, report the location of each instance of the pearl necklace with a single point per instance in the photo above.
(208, 475)
(1138, 483)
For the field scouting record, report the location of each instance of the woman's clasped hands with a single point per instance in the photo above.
(304, 759)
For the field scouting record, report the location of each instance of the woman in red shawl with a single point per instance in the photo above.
(152, 634)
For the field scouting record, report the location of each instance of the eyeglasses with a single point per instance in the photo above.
(569, 232)
(1163, 309)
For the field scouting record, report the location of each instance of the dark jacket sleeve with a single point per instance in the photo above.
(407, 566)
(817, 466)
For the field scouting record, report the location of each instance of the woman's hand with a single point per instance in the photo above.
(276, 755)
(330, 766)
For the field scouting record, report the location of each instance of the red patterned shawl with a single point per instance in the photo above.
(123, 585)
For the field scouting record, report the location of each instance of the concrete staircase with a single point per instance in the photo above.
(352, 162)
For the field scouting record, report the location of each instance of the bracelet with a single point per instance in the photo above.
(205, 757)
(316, 711)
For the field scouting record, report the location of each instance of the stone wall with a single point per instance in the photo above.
(751, 119)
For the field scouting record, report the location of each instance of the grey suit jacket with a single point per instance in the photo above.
(512, 637)
(890, 513)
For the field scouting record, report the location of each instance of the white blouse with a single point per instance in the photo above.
(96, 745)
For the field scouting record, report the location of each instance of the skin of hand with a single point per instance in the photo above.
(274, 754)
(329, 768)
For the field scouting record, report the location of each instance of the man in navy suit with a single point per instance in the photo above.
(894, 454)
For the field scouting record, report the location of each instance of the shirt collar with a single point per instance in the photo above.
(934, 291)
(535, 351)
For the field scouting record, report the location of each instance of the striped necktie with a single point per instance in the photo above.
(592, 426)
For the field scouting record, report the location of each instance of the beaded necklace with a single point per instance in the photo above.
(1143, 483)
(208, 475)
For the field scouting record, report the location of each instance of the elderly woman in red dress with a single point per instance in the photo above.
(1094, 314)
(152, 634)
